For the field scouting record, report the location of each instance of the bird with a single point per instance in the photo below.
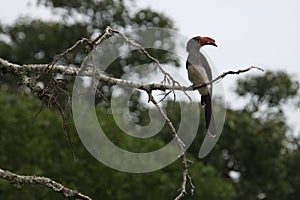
(199, 72)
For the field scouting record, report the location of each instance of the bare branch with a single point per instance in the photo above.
(70, 49)
(71, 71)
(185, 177)
(225, 74)
(167, 77)
(106, 34)
(42, 181)
(170, 125)
(181, 145)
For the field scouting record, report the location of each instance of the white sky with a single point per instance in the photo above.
(264, 33)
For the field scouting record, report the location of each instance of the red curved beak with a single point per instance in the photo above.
(214, 44)
(207, 41)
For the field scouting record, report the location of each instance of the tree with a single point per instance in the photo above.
(256, 132)
(46, 153)
(34, 41)
(272, 90)
(31, 41)
(256, 140)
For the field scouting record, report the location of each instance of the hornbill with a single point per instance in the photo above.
(199, 72)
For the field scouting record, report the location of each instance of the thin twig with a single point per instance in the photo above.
(169, 123)
(165, 96)
(106, 34)
(167, 77)
(70, 49)
(181, 145)
(225, 74)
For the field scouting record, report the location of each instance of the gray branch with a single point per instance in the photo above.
(20, 70)
(42, 181)
(185, 161)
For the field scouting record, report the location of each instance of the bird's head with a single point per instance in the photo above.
(197, 42)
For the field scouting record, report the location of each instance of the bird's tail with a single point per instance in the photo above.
(209, 118)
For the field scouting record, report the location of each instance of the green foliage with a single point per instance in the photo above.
(271, 88)
(255, 147)
(35, 41)
(252, 148)
(265, 161)
(292, 159)
(40, 148)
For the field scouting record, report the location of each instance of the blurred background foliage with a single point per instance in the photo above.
(257, 156)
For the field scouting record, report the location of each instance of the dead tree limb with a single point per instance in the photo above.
(181, 145)
(42, 181)
(19, 70)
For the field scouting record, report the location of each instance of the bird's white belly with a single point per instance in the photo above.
(198, 76)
